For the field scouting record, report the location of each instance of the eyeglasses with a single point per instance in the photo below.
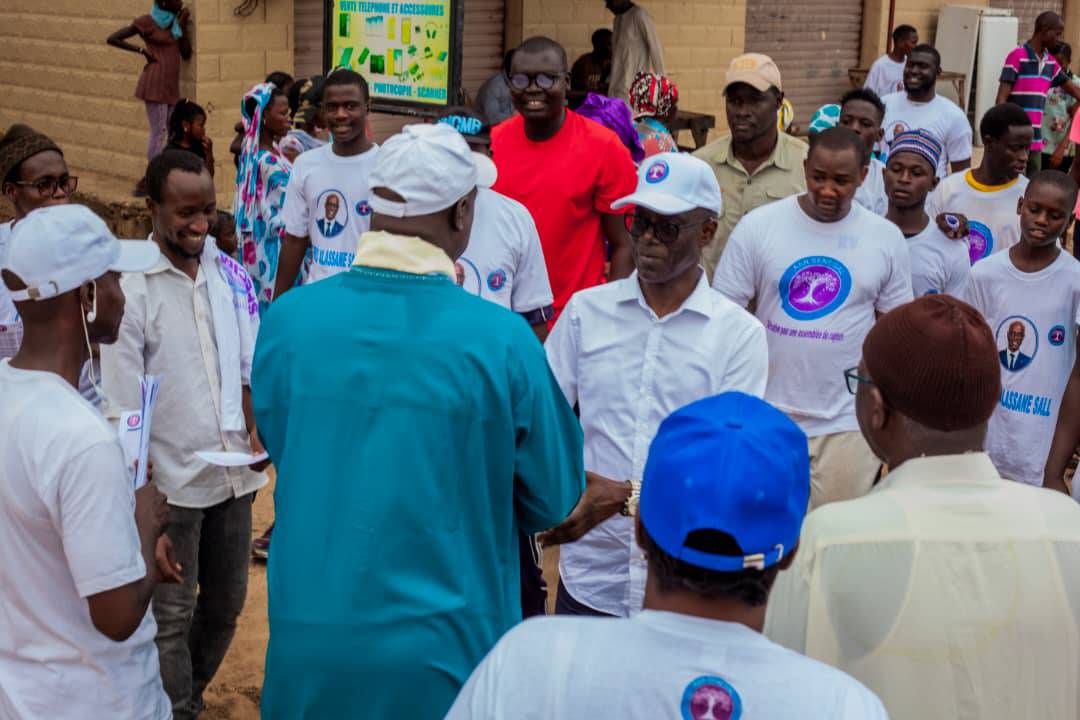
(665, 231)
(853, 378)
(46, 186)
(544, 81)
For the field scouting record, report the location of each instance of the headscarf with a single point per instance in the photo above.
(825, 117)
(166, 20)
(248, 181)
(652, 95)
(21, 143)
(614, 114)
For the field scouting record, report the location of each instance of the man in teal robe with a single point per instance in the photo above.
(416, 429)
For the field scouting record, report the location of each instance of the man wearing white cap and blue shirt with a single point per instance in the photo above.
(83, 551)
(722, 501)
(630, 352)
(431, 436)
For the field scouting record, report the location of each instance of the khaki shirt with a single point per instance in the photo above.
(778, 177)
(948, 591)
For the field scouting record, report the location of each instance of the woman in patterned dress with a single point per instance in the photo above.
(260, 186)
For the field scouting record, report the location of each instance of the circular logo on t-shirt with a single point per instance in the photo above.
(931, 291)
(134, 421)
(980, 241)
(468, 276)
(496, 280)
(711, 698)
(332, 213)
(814, 286)
(899, 127)
(1018, 342)
(363, 209)
(657, 172)
(1057, 335)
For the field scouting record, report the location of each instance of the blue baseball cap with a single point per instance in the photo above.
(730, 463)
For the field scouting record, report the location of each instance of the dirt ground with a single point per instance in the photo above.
(235, 692)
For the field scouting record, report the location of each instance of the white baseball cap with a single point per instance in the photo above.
(56, 249)
(431, 167)
(673, 183)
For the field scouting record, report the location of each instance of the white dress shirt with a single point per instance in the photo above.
(628, 370)
(168, 331)
(948, 591)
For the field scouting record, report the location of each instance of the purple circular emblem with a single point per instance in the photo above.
(134, 420)
(711, 698)
(657, 172)
(814, 286)
(1057, 335)
(980, 241)
(496, 280)
(363, 209)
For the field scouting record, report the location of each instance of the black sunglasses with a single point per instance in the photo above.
(665, 231)
(46, 186)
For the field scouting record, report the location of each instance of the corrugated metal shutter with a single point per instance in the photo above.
(481, 56)
(308, 37)
(1027, 10)
(814, 42)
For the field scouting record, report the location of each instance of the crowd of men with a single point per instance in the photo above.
(798, 415)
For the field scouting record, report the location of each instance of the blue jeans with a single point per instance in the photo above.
(197, 620)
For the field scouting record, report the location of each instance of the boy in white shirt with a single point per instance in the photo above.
(938, 264)
(886, 75)
(985, 198)
(326, 202)
(920, 107)
(1030, 297)
(722, 501)
(630, 352)
(79, 568)
(862, 112)
(819, 269)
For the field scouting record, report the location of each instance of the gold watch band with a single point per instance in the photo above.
(630, 507)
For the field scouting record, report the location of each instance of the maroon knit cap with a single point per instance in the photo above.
(935, 361)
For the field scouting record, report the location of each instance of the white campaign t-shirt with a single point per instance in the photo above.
(940, 116)
(886, 76)
(503, 261)
(817, 287)
(67, 529)
(993, 221)
(1046, 306)
(871, 194)
(654, 665)
(938, 264)
(327, 201)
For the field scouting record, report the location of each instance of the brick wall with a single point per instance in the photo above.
(700, 39)
(232, 54)
(58, 75)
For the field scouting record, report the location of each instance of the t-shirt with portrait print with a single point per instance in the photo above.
(327, 201)
(991, 211)
(817, 287)
(941, 117)
(1034, 318)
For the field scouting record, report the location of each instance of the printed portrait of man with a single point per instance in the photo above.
(1012, 359)
(328, 224)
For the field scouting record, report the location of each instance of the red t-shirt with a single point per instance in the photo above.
(567, 183)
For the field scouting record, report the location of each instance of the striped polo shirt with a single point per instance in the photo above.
(1031, 78)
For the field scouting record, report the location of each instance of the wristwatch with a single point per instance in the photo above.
(630, 507)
